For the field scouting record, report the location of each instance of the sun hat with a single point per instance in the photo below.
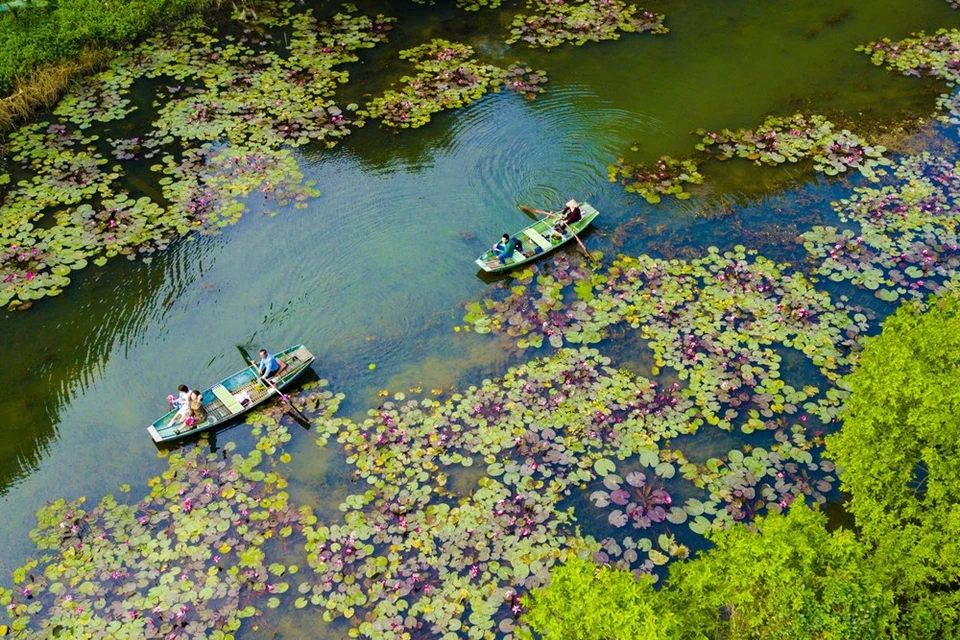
(571, 203)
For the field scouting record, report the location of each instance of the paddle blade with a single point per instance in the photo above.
(536, 212)
(245, 355)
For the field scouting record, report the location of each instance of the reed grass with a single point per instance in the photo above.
(43, 47)
(47, 84)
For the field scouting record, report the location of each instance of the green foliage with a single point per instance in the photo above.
(899, 447)
(585, 602)
(37, 35)
(786, 578)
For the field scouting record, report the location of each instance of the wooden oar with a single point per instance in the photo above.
(256, 368)
(541, 212)
(554, 215)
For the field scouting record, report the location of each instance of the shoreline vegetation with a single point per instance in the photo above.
(45, 47)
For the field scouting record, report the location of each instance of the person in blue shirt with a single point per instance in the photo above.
(269, 366)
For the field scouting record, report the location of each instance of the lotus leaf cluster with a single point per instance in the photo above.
(522, 79)
(424, 546)
(666, 177)
(936, 55)
(904, 241)
(776, 141)
(795, 138)
(469, 5)
(66, 211)
(448, 77)
(949, 104)
(746, 483)
(209, 183)
(420, 552)
(229, 110)
(428, 555)
(550, 23)
(187, 560)
(719, 321)
(538, 312)
(476, 5)
(643, 501)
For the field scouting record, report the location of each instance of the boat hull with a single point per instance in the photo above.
(234, 396)
(538, 241)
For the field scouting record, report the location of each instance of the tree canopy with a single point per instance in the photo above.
(899, 450)
(786, 578)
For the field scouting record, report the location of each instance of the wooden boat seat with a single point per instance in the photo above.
(541, 242)
(216, 411)
(227, 398)
(296, 358)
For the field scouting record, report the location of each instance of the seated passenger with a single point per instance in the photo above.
(196, 413)
(181, 403)
(507, 246)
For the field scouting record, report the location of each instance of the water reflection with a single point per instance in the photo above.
(108, 308)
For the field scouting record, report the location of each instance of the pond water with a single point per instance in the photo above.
(379, 268)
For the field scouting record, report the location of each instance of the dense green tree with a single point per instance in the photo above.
(585, 601)
(900, 451)
(785, 578)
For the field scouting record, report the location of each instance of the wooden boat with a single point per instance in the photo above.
(537, 239)
(234, 395)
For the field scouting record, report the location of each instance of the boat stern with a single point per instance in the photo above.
(154, 434)
(483, 265)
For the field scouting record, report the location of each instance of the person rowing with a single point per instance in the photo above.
(570, 215)
(269, 366)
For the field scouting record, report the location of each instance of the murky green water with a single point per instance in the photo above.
(377, 269)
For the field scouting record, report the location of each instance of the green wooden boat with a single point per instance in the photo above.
(234, 395)
(537, 239)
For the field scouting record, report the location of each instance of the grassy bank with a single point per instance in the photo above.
(44, 46)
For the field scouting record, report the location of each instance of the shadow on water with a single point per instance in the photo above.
(111, 305)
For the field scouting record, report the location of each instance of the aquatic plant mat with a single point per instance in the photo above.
(803, 137)
(229, 110)
(776, 141)
(463, 502)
